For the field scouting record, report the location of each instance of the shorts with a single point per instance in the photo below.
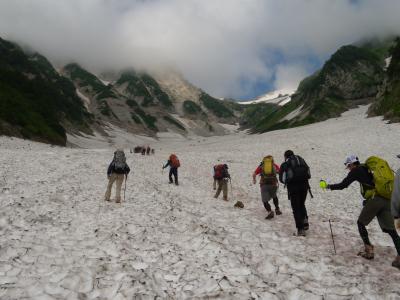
(268, 192)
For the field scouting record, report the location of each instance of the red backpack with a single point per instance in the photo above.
(219, 171)
(174, 161)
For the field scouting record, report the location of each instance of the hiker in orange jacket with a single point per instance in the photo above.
(174, 164)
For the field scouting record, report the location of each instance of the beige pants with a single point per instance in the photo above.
(119, 178)
(222, 186)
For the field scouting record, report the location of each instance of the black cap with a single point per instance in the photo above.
(288, 153)
(398, 156)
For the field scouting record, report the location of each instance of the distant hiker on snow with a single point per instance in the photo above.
(268, 184)
(174, 164)
(396, 198)
(376, 188)
(117, 170)
(221, 177)
(294, 173)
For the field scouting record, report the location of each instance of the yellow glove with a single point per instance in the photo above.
(323, 184)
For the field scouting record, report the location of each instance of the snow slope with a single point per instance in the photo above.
(60, 240)
(279, 97)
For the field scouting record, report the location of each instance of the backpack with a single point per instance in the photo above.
(119, 161)
(267, 167)
(297, 171)
(383, 177)
(174, 161)
(219, 171)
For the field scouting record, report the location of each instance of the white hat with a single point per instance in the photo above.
(351, 159)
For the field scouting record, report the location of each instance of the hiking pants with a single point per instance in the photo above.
(297, 200)
(119, 179)
(268, 192)
(173, 171)
(380, 208)
(222, 186)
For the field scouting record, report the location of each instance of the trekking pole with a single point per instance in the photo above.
(333, 240)
(230, 180)
(126, 178)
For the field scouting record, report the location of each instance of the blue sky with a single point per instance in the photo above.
(228, 48)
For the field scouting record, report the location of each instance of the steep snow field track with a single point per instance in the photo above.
(60, 240)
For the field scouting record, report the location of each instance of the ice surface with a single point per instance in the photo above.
(60, 240)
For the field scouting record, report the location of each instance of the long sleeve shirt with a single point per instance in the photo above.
(359, 174)
(263, 180)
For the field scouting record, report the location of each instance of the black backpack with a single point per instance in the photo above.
(297, 170)
(119, 162)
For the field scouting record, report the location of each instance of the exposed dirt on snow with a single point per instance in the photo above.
(60, 240)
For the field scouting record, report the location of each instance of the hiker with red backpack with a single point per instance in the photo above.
(294, 174)
(116, 172)
(221, 178)
(174, 164)
(268, 184)
(376, 184)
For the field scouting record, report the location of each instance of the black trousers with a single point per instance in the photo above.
(173, 171)
(297, 200)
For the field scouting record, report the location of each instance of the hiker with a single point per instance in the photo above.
(294, 173)
(376, 203)
(143, 150)
(221, 178)
(148, 150)
(117, 170)
(174, 164)
(396, 198)
(268, 184)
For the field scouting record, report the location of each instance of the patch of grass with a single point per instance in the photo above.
(131, 103)
(191, 107)
(35, 100)
(216, 106)
(174, 122)
(149, 120)
(136, 118)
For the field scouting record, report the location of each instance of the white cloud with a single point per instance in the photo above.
(221, 46)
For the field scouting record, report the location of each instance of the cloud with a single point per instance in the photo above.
(225, 47)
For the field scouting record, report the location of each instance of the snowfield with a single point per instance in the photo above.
(60, 240)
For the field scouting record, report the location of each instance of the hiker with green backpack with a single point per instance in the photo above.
(268, 184)
(376, 184)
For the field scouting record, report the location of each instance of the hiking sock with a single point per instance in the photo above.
(363, 233)
(396, 239)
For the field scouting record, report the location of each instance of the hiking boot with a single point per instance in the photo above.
(396, 262)
(301, 232)
(176, 183)
(225, 199)
(270, 215)
(368, 252)
(278, 211)
(107, 199)
(306, 226)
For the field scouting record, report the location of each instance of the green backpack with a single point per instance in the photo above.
(383, 177)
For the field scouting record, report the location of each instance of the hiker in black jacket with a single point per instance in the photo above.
(294, 174)
(373, 206)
